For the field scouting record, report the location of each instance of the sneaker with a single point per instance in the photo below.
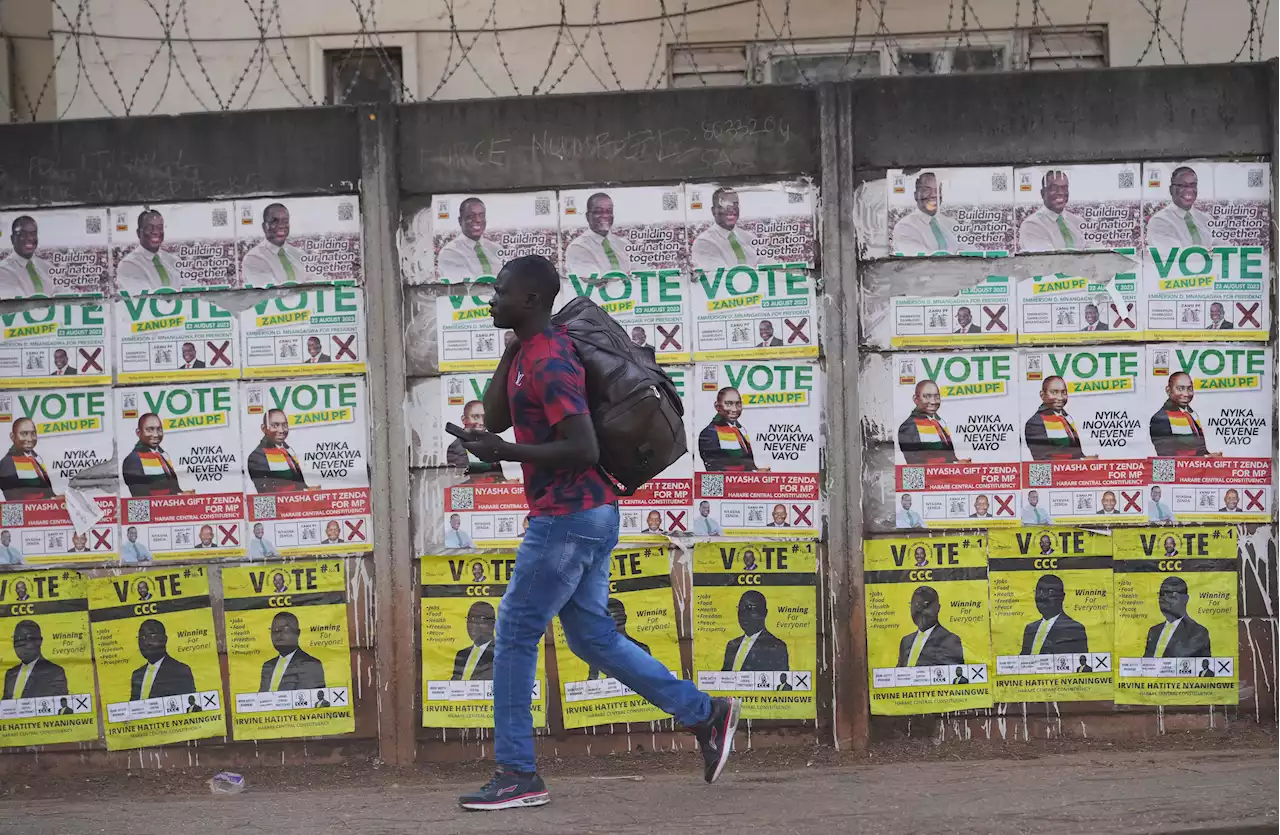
(507, 790)
(715, 735)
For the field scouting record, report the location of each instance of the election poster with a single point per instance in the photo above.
(178, 246)
(950, 211)
(181, 472)
(54, 252)
(956, 449)
(497, 486)
(1212, 418)
(470, 249)
(1085, 449)
(978, 315)
(312, 331)
(755, 630)
(643, 613)
(48, 667)
(662, 506)
(1207, 269)
(156, 656)
(754, 226)
(928, 625)
(764, 312)
(1177, 639)
(306, 451)
(1079, 208)
(299, 240)
(460, 597)
(1051, 614)
(288, 656)
(1063, 309)
(43, 346)
(651, 306)
(622, 233)
(465, 336)
(756, 454)
(170, 336)
(56, 435)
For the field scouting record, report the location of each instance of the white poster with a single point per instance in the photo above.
(465, 335)
(314, 331)
(43, 346)
(756, 226)
(171, 336)
(978, 315)
(475, 234)
(299, 240)
(951, 211)
(54, 252)
(652, 307)
(179, 246)
(463, 405)
(768, 312)
(1079, 208)
(1062, 308)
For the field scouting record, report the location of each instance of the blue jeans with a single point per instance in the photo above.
(562, 567)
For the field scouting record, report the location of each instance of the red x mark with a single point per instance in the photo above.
(345, 347)
(797, 330)
(1131, 501)
(355, 530)
(1004, 505)
(1246, 316)
(675, 521)
(1253, 500)
(228, 535)
(219, 353)
(102, 538)
(997, 320)
(802, 515)
(669, 337)
(1125, 318)
(89, 361)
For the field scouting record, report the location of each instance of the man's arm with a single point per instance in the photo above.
(575, 446)
(497, 411)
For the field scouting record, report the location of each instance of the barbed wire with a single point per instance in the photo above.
(136, 57)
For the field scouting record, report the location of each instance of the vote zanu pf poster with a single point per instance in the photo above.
(755, 625)
(48, 669)
(928, 626)
(1176, 625)
(643, 613)
(460, 597)
(159, 679)
(287, 650)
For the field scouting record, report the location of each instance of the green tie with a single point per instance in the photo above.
(34, 275)
(937, 233)
(148, 680)
(1068, 239)
(281, 664)
(485, 267)
(1041, 633)
(22, 680)
(738, 251)
(164, 274)
(1191, 227)
(1165, 635)
(916, 646)
(289, 274)
(613, 256)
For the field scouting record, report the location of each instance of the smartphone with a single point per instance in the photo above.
(458, 432)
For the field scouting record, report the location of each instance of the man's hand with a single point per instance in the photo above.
(487, 446)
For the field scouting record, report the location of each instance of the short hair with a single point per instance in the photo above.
(267, 415)
(1109, 493)
(153, 622)
(595, 198)
(752, 594)
(1180, 169)
(1176, 585)
(1089, 305)
(965, 308)
(1175, 375)
(462, 207)
(924, 174)
(192, 344)
(480, 607)
(289, 616)
(20, 420)
(722, 392)
(534, 273)
(721, 192)
(922, 384)
(19, 220)
(208, 528)
(1047, 380)
(146, 213)
(28, 625)
(271, 206)
(927, 593)
(1054, 172)
(1050, 581)
(143, 419)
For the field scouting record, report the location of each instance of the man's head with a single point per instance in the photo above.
(1055, 191)
(1155, 494)
(1173, 598)
(275, 224)
(27, 641)
(1170, 546)
(59, 358)
(1181, 389)
(455, 521)
(752, 612)
(964, 317)
(1204, 663)
(79, 541)
(206, 535)
(20, 589)
(313, 346)
(638, 336)
(26, 236)
(1216, 312)
(150, 430)
(24, 434)
(1184, 187)
(477, 572)
(749, 560)
(927, 398)
(6, 537)
(729, 403)
(724, 208)
(921, 556)
(150, 230)
(471, 218)
(1091, 314)
(1033, 497)
(319, 695)
(1084, 661)
(1108, 501)
(618, 612)
(144, 589)
(653, 520)
(480, 619)
(188, 352)
(1046, 544)
(331, 530)
(704, 509)
(766, 330)
(285, 632)
(600, 213)
(959, 672)
(779, 513)
(1050, 593)
(981, 504)
(524, 291)
(258, 530)
(1053, 393)
(905, 501)
(275, 425)
(473, 415)
(924, 608)
(928, 193)
(153, 641)
(1231, 499)
(278, 582)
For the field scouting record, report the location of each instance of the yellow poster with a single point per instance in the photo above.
(159, 679)
(755, 629)
(928, 631)
(1051, 614)
(460, 598)
(44, 653)
(643, 613)
(1176, 624)
(287, 650)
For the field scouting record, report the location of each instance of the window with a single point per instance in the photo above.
(709, 65)
(363, 76)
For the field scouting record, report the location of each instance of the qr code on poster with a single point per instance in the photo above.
(1124, 179)
(1255, 178)
(11, 515)
(346, 211)
(670, 201)
(93, 225)
(912, 478)
(139, 512)
(1041, 475)
(542, 205)
(463, 498)
(1162, 470)
(1000, 181)
(713, 485)
(219, 218)
(264, 507)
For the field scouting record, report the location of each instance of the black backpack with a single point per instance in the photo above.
(634, 405)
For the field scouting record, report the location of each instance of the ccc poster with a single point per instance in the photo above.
(755, 625)
(44, 654)
(460, 597)
(643, 613)
(928, 629)
(287, 650)
(159, 680)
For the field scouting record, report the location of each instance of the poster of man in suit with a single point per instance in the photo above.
(949, 211)
(313, 331)
(299, 240)
(42, 345)
(54, 252)
(167, 248)
(173, 337)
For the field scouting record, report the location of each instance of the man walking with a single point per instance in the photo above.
(562, 565)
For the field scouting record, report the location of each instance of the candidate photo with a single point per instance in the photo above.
(147, 268)
(61, 366)
(161, 674)
(147, 469)
(924, 437)
(1055, 631)
(1157, 510)
(454, 535)
(756, 649)
(767, 339)
(34, 676)
(456, 455)
(597, 251)
(272, 466)
(189, 358)
(23, 477)
(10, 554)
(469, 255)
(923, 231)
(292, 668)
(275, 260)
(1175, 430)
(964, 322)
(703, 524)
(260, 547)
(1177, 636)
(618, 612)
(905, 516)
(1052, 227)
(1091, 316)
(475, 662)
(722, 244)
(1180, 223)
(315, 352)
(931, 644)
(1032, 512)
(723, 444)
(1217, 319)
(22, 272)
(1051, 433)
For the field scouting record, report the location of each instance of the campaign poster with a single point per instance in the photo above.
(1063, 309)
(288, 655)
(306, 451)
(181, 472)
(1051, 613)
(468, 248)
(156, 656)
(465, 336)
(484, 486)
(755, 631)
(651, 306)
(956, 449)
(951, 211)
(313, 331)
(178, 246)
(56, 435)
(460, 597)
(1177, 638)
(1079, 208)
(643, 613)
(662, 506)
(44, 346)
(754, 226)
(175, 336)
(48, 667)
(54, 252)
(1207, 269)
(928, 624)
(756, 453)
(978, 315)
(1212, 418)
(1085, 448)
(764, 312)
(622, 233)
(299, 240)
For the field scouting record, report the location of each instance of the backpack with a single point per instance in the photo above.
(634, 405)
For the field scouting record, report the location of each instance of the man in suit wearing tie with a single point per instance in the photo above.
(189, 360)
(723, 444)
(9, 553)
(906, 517)
(1091, 322)
(162, 674)
(1217, 318)
(720, 244)
(932, 644)
(1052, 228)
(1032, 512)
(475, 663)
(1055, 631)
(924, 231)
(315, 354)
(1050, 433)
(964, 322)
(292, 668)
(23, 273)
(273, 468)
(34, 676)
(60, 365)
(148, 268)
(596, 252)
(1178, 636)
(618, 612)
(1109, 504)
(1231, 502)
(274, 260)
(147, 469)
(767, 339)
(1158, 511)
(1175, 430)
(1181, 223)
(23, 477)
(756, 649)
(470, 255)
